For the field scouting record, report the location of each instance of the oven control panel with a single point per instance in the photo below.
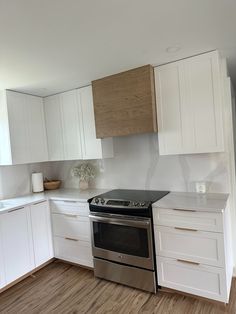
(99, 201)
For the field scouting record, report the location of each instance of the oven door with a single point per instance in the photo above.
(122, 239)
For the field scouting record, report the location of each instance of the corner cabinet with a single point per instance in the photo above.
(189, 105)
(42, 232)
(25, 241)
(22, 129)
(16, 242)
(70, 127)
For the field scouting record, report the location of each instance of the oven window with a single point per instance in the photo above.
(121, 239)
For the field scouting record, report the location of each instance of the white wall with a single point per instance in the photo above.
(137, 165)
(16, 180)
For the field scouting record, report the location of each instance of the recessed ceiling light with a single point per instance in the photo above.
(173, 49)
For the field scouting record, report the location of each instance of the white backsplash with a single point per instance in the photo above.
(16, 180)
(137, 165)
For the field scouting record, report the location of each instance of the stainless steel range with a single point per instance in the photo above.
(122, 237)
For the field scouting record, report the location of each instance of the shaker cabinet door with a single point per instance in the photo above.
(42, 234)
(189, 106)
(54, 128)
(18, 116)
(37, 129)
(92, 147)
(71, 125)
(17, 244)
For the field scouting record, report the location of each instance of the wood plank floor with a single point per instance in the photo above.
(63, 288)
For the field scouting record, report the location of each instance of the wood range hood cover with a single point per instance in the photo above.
(124, 103)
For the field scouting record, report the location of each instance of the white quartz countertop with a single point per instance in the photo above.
(209, 202)
(61, 194)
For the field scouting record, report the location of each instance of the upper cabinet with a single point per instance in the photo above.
(124, 103)
(71, 127)
(22, 129)
(189, 105)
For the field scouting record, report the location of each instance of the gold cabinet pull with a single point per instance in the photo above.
(15, 209)
(40, 202)
(187, 262)
(70, 215)
(185, 229)
(71, 239)
(184, 210)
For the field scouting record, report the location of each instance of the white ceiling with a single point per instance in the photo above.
(48, 46)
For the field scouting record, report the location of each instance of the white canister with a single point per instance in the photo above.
(37, 182)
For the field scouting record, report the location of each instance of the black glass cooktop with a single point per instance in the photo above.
(126, 202)
(134, 195)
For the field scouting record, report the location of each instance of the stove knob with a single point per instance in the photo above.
(142, 204)
(102, 201)
(136, 204)
(96, 200)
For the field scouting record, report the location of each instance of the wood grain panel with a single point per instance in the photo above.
(63, 288)
(124, 103)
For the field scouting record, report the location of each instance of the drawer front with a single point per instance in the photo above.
(71, 226)
(79, 252)
(188, 219)
(205, 281)
(70, 207)
(196, 246)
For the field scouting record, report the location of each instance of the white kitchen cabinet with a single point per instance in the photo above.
(37, 129)
(41, 231)
(53, 121)
(92, 147)
(2, 270)
(17, 244)
(191, 244)
(71, 127)
(205, 281)
(22, 131)
(71, 232)
(74, 251)
(193, 251)
(189, 105)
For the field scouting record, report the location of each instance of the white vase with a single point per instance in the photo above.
(83, 185)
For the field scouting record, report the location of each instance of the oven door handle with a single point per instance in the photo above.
(121, 221)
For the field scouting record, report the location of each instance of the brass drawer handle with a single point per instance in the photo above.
(71, 239)
(70, 215)
(185, 210)
(187, 262)
(185, 229)
(73, 202)
(40, 202)
(15, 209)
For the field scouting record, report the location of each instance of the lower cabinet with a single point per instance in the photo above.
(42, 233)
(17, 244)
(25, 241)
(193, 252)
(203, 280)
(71, 232)
(73, 250)
(2, 272)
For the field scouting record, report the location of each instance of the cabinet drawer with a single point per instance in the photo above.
(188, 219)
(202, 280)
(79, 252)
(197, 246)
(72, 226)
(70, 207)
